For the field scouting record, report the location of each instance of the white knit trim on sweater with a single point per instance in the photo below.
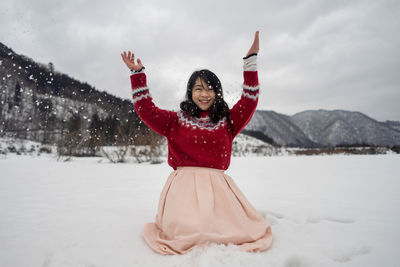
(251, 88)
(140, 97)
(201, 123)
(139, 89)
(254, 97)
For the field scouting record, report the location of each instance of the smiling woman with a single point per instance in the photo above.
(199, 203)
(203, 95)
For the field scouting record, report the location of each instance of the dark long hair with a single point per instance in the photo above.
(218, 110)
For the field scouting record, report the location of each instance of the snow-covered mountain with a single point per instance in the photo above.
(279, 127)
(324, 128)
(344, 127)
(41, 104)
(393, 124)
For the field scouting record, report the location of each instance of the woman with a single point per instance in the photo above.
(199, 203)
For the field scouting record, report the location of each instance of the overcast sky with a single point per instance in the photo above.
(314, 54)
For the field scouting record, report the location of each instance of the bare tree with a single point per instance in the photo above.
(123, 142)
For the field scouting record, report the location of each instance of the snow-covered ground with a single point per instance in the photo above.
(324, 211)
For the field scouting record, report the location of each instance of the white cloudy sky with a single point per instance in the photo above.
(314, 54)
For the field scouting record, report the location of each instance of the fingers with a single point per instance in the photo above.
(256, 37)
(129, 57)
(124, 56)
(255, 45)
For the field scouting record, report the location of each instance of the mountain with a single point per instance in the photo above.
(41, 104)
(393, 124)
(345, 127)
(324, 128)
(279, 127)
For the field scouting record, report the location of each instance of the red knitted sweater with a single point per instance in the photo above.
(198, 141)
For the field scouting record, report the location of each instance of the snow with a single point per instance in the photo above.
(324, 211)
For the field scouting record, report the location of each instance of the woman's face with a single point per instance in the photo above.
(203, 95)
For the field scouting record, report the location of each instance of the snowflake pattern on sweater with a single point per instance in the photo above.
(198, 141)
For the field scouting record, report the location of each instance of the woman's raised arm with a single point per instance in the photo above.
(159, 120)
(244, 109)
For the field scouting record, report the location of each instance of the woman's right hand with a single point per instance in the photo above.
(129, 59)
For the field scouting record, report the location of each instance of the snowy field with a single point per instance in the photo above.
(324, 211)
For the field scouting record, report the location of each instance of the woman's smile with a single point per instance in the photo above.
(203, 95)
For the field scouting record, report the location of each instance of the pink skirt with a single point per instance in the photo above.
(201, 205)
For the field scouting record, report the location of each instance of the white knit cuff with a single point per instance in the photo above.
(250, 63)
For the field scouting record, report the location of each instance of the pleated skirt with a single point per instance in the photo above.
(199, 206)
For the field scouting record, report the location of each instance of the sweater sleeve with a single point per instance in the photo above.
(159, 120)
(244, 109)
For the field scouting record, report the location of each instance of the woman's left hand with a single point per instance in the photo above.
(255, 46)
(129, 59)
